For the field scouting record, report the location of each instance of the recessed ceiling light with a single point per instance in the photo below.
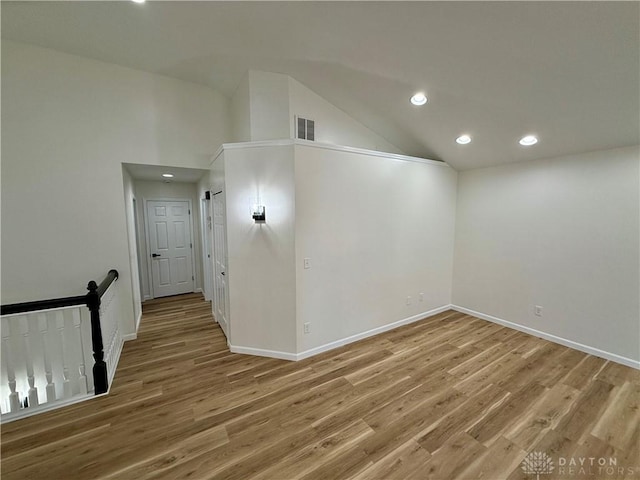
(528, 140)
(138, 1)
(167, 175)
(463, 139)
(419, 99)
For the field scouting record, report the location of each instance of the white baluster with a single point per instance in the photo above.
(33, 391)
(46, 354)
(82, 380)
(14, 400)
(67, 388)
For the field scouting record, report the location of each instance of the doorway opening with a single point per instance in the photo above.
(168, 236)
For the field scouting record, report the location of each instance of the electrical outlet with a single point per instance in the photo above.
(408, 300)
(307, 328)
(307, 263)
(537, 310)
(421, 297)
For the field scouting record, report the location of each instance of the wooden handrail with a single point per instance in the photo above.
(42, 305)
(106, 283)
(25, 307)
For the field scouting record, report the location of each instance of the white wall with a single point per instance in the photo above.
(332, 125)
(261, 275)
(264, 105)
(216, 178)
(68, 123)
(269, 104)
(560, 233)
(151, 190)
(376, 230)
(240, 111)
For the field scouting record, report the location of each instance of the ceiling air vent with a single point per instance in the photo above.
(305, 129)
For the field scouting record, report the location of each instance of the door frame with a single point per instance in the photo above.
(207, 281)
(148, 243)
(136, 229)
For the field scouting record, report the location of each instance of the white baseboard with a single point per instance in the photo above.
(46, 407)
(369, 333)
(337, 343)
(197, 290)
(262, 352)
(360, 336)
(552, 338)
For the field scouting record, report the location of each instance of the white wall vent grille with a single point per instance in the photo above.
(305, 129)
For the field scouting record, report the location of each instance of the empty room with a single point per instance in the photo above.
(320, 240)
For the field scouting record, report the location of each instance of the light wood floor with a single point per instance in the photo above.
(448, 397)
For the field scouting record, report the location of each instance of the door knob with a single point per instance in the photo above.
(154, 255)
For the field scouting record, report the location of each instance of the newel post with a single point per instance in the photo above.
(101, 384)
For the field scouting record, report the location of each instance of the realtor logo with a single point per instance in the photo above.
(537, 463)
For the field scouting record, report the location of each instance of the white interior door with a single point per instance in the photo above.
(220, 304)
(170, 247)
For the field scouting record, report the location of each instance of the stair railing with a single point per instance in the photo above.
(45, 349)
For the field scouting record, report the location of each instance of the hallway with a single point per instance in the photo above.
(448, 397)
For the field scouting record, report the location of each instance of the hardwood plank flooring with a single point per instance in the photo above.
(450, 397)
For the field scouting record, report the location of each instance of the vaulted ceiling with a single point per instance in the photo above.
(568, 72)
